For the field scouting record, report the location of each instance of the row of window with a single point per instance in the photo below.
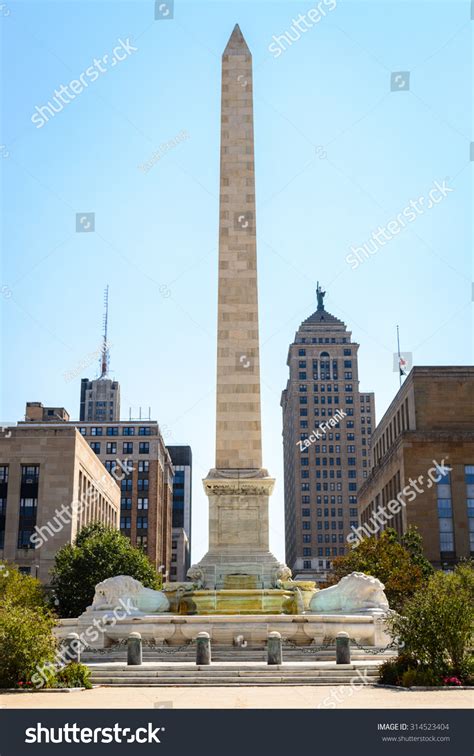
(302, 352)
(320, 512)
(126, 522)
(333, 551)
(126, 466)
(126, 502)
(143, 484)
(127, 447)
(114, 431)
(306, 525)
(333, 486)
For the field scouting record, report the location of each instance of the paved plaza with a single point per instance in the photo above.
(285, 697)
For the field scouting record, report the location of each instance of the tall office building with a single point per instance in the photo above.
(135, 453)
(327, 425)
(100, 400)
(181, 457)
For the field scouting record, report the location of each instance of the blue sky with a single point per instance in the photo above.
(338, 154)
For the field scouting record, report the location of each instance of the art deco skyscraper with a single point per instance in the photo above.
(322, 476)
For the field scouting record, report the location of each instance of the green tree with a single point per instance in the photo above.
(98, 553)
(400, 566)
(437, 624)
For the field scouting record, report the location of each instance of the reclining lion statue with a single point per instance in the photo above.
(140, 600)
(354, 593)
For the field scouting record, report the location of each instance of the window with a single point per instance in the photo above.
(143, 465)
(125, 522)
(127, 447)
(30, 474)
(144, 431)
(469, 479)
(142, 543)
(82, 431)
(306, 512)
(302, 376)
(301, 352)
(96, 431)
(306, 525)
(144, 447)
(24, 538)
(112, 430)
(128, 431)
(125, 503)
(143, 484)
(28, 507)
(445, 515)
(307, 551)
(111, 447)
(126, 484)
(306, 564)
(142, 522)
(306, 538)
(4, 474)
(95, 446)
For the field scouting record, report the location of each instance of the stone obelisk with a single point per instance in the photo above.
(238, 487)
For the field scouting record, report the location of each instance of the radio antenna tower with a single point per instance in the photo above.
(104, 359)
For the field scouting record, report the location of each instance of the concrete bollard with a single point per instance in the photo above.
(203, 648)
(72, 648)
(274, 652)
(343, 648)
(134, 649)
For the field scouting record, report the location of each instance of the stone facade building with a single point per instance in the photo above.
(325, 458)
(134, 451)
(43, 470)
(431, 420)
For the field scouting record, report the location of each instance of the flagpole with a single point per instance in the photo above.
(399, 356)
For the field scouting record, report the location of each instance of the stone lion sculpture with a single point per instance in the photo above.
(354, 593)
(196, 575)
(116, 591)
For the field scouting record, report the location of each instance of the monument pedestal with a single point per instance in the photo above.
(239, 555)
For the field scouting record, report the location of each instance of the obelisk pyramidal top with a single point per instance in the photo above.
(238, 421)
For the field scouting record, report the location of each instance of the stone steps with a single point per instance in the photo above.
(231, 675)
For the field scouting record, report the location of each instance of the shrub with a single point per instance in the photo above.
(26, 641)
(438, 621)
(73, 675)
(19, 589)
(98, 553)
(420, 676)
(392, 671)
